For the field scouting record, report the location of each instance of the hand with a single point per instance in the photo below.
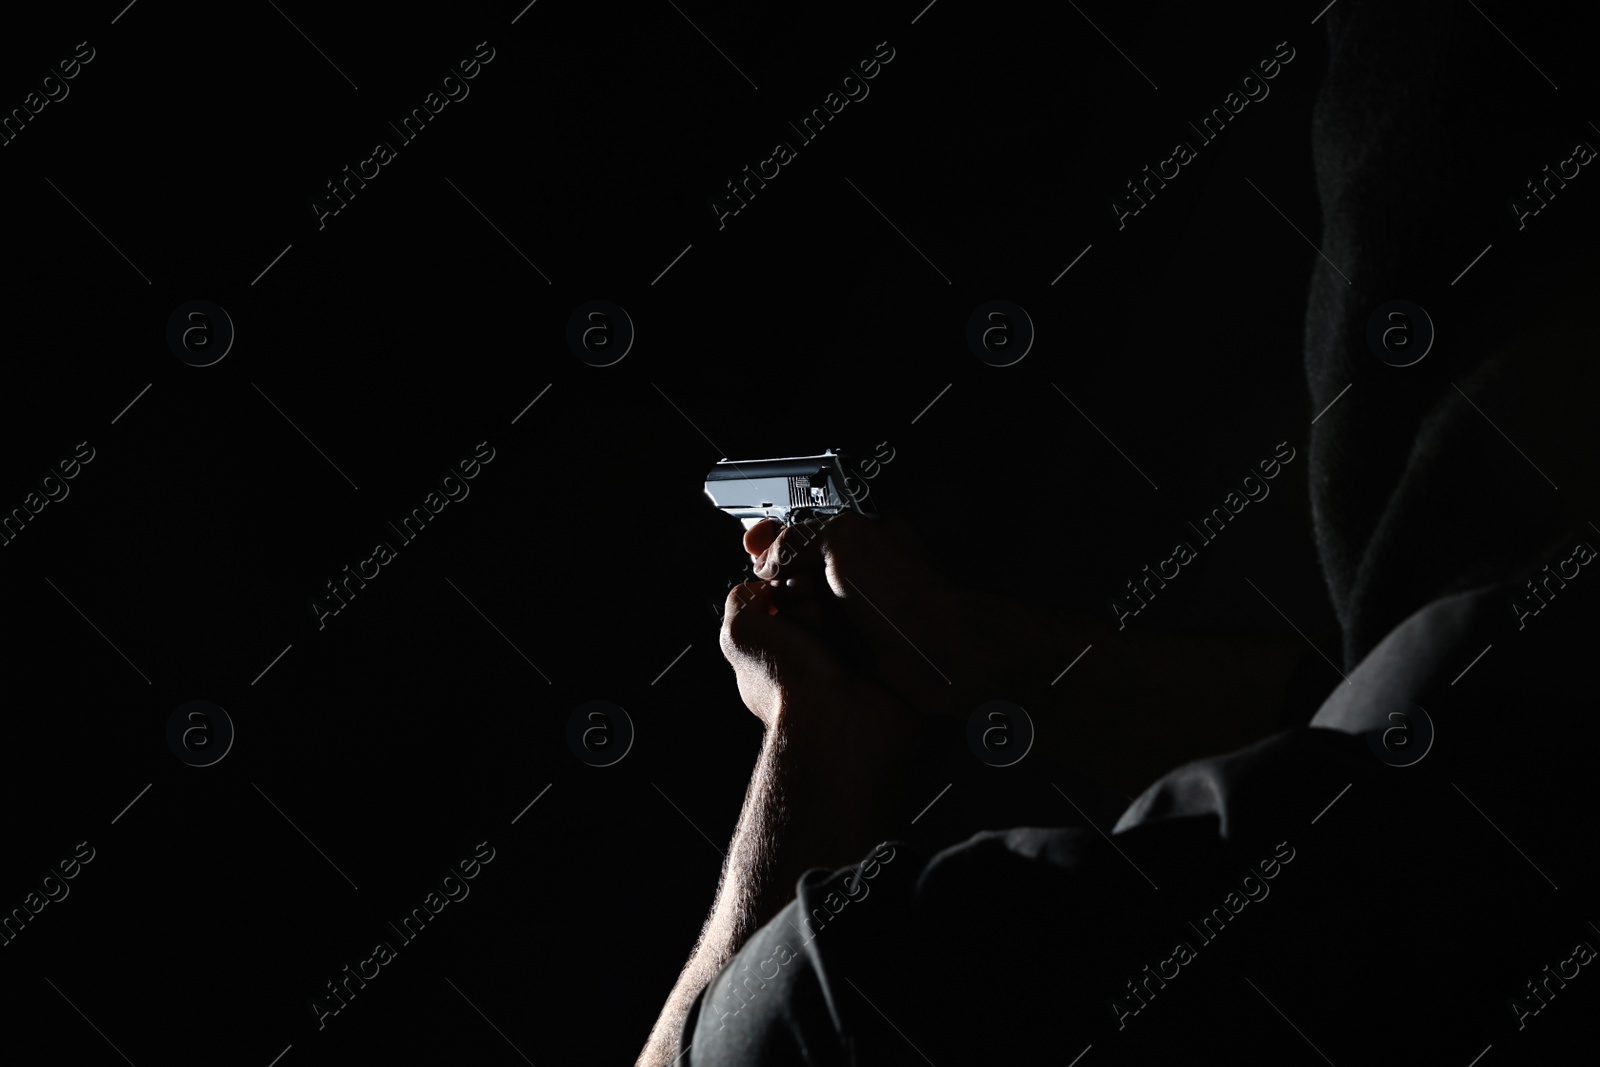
(941, 647)
(791, 679)
(837, 758)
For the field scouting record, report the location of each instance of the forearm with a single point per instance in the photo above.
(811, 802)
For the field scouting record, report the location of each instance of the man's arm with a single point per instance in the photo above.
(824, 790)
(837, 748)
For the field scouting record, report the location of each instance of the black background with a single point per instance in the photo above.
(408, 329)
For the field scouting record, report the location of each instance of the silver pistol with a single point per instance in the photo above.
(789, 489)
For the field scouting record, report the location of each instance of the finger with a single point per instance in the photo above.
(838, 551)
(796, 585)
(744, 600)
(798, 548)
(796, 599)
(757, 685)
(758, 639)
(760, 536)
(750, 604)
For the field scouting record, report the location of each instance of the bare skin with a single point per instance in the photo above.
(822, 795)
(854, 642)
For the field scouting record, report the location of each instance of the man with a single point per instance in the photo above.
(1319, 893)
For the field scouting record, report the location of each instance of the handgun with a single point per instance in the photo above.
(789, 489)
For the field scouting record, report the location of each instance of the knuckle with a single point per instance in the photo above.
(788, 547)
